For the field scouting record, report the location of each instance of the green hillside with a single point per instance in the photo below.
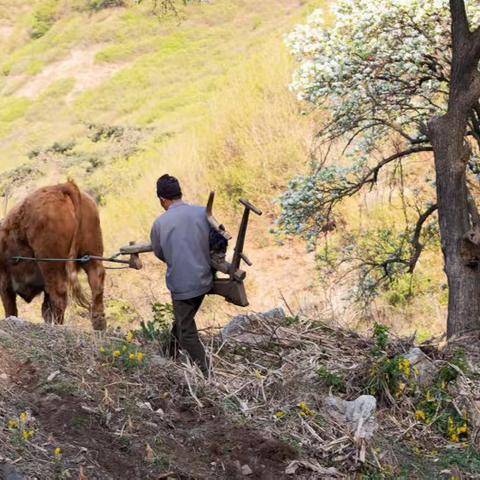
(113, 97)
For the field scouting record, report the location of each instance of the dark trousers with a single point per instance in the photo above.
(184, 332)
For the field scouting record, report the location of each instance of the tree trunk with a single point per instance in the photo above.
(451, 155)
(451, 151)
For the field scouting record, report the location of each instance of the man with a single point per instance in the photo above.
(180, 238)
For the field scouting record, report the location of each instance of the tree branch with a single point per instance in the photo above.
(460, 27)
(336, 194)
(417, 246)
(373, 173)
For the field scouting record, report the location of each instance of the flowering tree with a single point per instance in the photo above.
(391, 78)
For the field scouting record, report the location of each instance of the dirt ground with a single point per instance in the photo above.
(104, 434)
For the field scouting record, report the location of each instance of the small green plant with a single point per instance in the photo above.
(390, 378)
(381, 339)
(125, 354)
(467, 460)
(159, 327)
(21, 429)
(291, 320)
(331, 379)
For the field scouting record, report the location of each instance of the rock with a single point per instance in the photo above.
(422, 367)
(358, 415)
(8, 472)
(251, 338)
(53, 375)
(246, 470)
(313, 466)
(238, 324)
(18, 320)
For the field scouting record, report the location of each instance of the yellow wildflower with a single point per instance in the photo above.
(401, 389)
(24, 417)
(454, 437)
(451, 426)
(12, 424)
(102, 349)
(116, 353)
(132, 356)
(462, 429)
(140, 356)
(27, 434)
(57, 453)
(280, 414)
(420, 415)
(130, 336)
(405, 367)
(305, 411)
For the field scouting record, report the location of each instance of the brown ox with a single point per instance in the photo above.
(54, 222)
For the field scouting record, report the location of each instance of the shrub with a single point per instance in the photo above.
(159, 328)
(43, 18)
(437, 405)
(331, 379)
(97, 5)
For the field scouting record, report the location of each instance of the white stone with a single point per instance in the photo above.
(246, 470)
(424, 368)
(241, 322)
(358, 415)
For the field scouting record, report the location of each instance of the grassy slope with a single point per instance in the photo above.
(205, 99)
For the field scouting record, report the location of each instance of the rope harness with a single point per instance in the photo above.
(83, 260)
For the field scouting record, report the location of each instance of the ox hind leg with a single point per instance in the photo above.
(56, 294)
(9, 300)
(96, 278)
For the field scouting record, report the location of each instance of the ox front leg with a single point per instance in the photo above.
(56, 294)
(96, 279)
(9, 300)
(54, 306)
(47, 313)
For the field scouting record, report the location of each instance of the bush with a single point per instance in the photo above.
(159, 328)
(43, 18)
(97, 5)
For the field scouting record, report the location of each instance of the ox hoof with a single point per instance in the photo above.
(99, 322)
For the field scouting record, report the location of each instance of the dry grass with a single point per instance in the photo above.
(263, 407)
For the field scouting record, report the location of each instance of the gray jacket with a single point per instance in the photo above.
(180, 238)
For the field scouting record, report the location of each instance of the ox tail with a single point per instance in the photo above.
(75, 289)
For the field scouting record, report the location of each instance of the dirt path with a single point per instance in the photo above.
(79, 65)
